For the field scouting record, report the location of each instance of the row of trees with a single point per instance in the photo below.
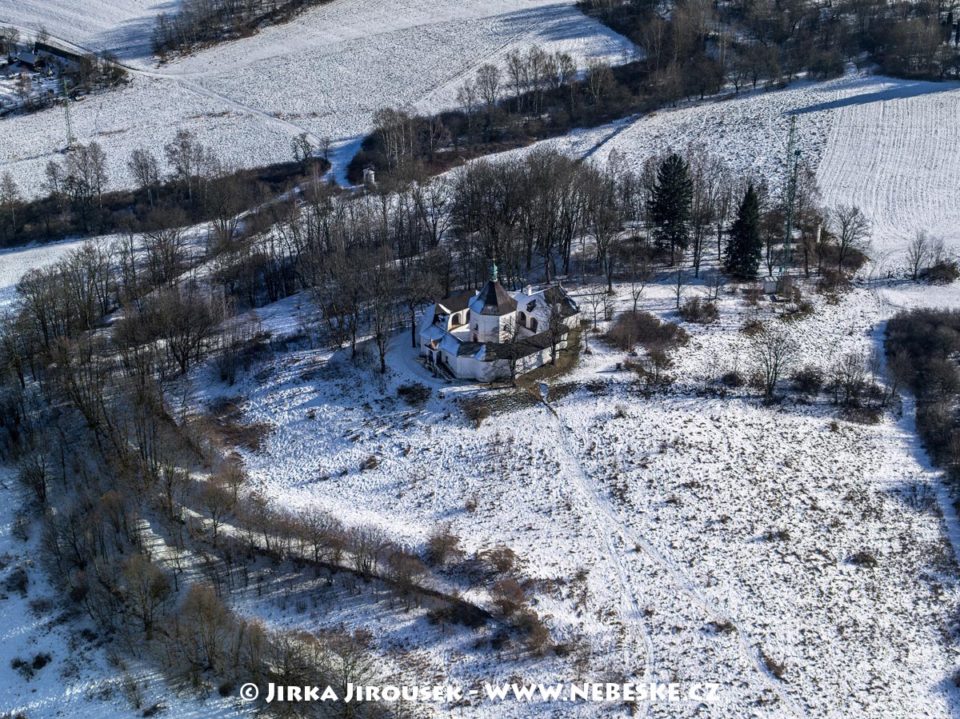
(746, 41)
(198, 23)
(921, 349)
(189, 183)
(689, 195)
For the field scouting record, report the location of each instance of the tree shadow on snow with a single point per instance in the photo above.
(901, 91)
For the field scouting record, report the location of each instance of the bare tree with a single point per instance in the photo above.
(600, 80)
(145, 169)
(147, 591)
(165, 248)
(219, 503)
(383, 303)
(205, 623)
(185, 318)
(773, 351)
(10, 202)
(851, 230)
(678, 285)
(302, 148)
(918, 252)
(488, 86)
(366, 544)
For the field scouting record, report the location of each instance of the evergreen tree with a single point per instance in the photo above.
(745, 246)
(669, 204)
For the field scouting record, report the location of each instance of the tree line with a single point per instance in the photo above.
(190, 183)
(744, 42)
(921, 349)
(199, 23)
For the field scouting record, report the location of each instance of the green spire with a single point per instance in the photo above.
(493, 271)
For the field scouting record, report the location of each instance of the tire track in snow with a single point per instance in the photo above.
(631, 613)
(602, 508)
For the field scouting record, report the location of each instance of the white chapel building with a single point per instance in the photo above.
(488, 334)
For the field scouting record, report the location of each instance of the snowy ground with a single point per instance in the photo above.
(670, 510)
(324, 74)
(879, 143)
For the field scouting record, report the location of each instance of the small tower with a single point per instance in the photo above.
(492, 311)
(369, 177)
(71, 140)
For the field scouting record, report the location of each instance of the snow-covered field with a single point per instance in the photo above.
(649, 522)
(14, 263)
(877, 142)
(325, 74)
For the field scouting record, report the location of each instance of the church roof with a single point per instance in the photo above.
(566, 305)
(492, 299)
(457, 302)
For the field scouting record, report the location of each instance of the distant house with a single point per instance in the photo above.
(52, 52)
(495, 334)
(30, 60)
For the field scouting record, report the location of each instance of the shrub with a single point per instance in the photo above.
(808, 380)
(508, 596)
(443, 546)
(778, 669)
(371, 462)
(414, 393)
(21, 667)
(501, 559)
(17, 581)
(536, 633)
(863, 559)
(832, 281)
(632, 328)
(752, 295)
(652, 370)
(476, 410)
(732, 380)
(694, 310)
(457, 613)
(751, 328)
(942, 273)
(724, 626)
(863, 414)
